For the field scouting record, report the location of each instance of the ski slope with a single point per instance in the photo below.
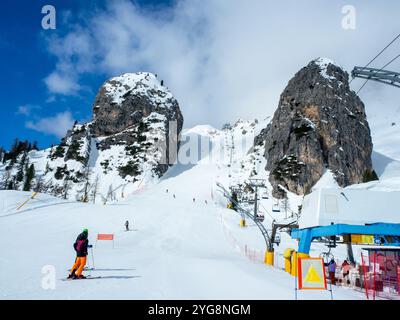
(178, 249)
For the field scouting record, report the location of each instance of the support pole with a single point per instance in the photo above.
(255, 203)
(305, 241)
(293, 270)
(91, 249)
(350, 254)
(269, 258)
(287, 255)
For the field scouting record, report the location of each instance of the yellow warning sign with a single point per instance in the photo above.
(311, 274)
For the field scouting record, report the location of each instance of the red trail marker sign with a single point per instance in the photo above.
(105, 237)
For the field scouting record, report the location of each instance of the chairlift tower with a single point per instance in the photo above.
(256, 184)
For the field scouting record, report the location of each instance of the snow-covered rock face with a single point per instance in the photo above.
(123, 101)
(136, 122)
(327, 67)
(320, 123)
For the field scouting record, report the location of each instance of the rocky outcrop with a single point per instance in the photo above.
(320, 124)
(125, 100)
(123, 107)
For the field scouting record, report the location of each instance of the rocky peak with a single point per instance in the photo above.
(124, 100)
(320, 124)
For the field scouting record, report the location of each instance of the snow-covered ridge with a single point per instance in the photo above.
(204, 130)
(140, 83)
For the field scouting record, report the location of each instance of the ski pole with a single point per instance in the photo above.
(91, 249)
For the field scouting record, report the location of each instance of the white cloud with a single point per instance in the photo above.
(61, 84)
(222, 59)
(57, 125)
(26, 109)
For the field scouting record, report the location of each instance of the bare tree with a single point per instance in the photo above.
(286, 205)
(110, 193)
(95, 188)
(87, 186)
(6, 179)
(66, 188)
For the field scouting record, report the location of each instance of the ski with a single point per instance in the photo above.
(86, 269)
(87, 278)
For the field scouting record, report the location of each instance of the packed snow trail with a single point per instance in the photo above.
(177, 250)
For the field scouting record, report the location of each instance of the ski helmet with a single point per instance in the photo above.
(85, 230)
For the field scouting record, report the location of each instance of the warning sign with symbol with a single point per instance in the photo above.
(311, 274)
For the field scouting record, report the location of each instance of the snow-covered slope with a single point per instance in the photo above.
(184, 244)
(178, 248)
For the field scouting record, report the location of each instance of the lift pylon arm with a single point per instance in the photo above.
(244, 213)
(383, 76)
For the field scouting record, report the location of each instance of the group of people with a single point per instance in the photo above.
(345, 269)
(194, 199)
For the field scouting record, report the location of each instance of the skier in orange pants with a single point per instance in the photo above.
(81, 247)
(78, 267)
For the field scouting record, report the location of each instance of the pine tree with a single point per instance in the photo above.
(30, 174)
(58, 153)
(11, 185)
(61, 172)
(39, 184)
(21, 167)
(35, 146)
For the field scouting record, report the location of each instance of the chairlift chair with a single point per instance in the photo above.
(277, 239)
(276, 208)
(260, 217)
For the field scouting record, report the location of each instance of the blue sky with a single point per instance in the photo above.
(26, 62)
(222, 59)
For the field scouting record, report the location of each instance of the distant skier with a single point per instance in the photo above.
(81, 246)
(166, 191)
(127, 225)
(346, 271)
(206, 202)
(174, 197)
(331, 270)
(194, 200)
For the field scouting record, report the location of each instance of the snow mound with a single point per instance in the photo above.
(327, 181)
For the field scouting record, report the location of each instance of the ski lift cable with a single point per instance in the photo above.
(267, 212)
(390, 62)
(378, 55)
